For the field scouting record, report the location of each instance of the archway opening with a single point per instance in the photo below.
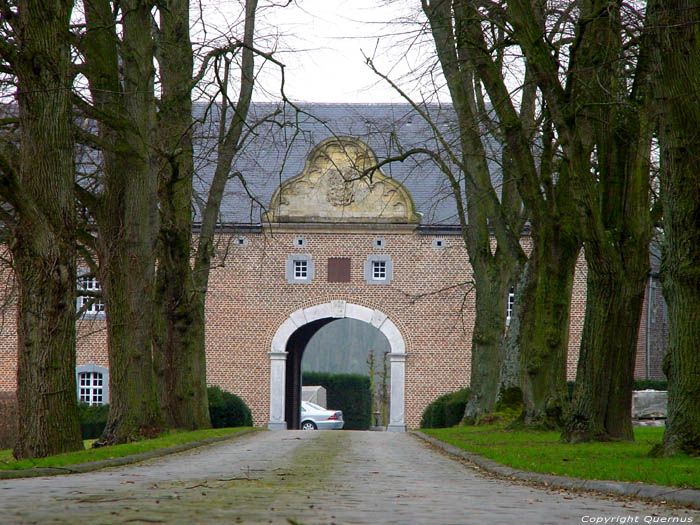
(293, 329)
(334, 348)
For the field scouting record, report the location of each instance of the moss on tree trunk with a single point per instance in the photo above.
(43, 248)
(602, 402)
(544, 329)
(677, 92)
(179, 351)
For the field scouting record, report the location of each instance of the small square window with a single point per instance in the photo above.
(379, 270)
(301, 269)
(299, 242)
(379, 243)
(438, 243)
(240, 241)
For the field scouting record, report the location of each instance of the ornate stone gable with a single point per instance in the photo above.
(334, 187)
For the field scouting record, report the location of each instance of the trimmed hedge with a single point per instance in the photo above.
(650, 384)
(347, 392)
(93, 419)
(446, 411)
(227, 409)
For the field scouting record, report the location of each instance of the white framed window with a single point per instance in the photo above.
(378, 243)
(379, 269)
(240, 241)
(299, 268)
(510, 304)
(438, 243)
(299, 242)
(89, 304)
(93, 384)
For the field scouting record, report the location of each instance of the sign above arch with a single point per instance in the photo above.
(339, 185)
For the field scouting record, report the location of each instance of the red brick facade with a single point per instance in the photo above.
(249, 297)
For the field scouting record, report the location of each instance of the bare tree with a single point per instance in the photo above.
(118, 50)
(594, 83)
(676, 66)
(181, 286)
(37, 182)
(469, 45)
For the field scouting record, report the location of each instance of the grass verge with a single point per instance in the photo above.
(541, 451)
(7, 462)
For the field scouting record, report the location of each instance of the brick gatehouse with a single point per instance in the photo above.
(329, 245)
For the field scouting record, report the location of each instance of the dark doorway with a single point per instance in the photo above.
(295, 352)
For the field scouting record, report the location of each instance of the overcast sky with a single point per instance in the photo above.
(329, 37)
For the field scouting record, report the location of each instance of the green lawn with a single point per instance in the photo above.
(7, 462)
(541, 451)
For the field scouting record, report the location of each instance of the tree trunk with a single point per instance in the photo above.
(509, 349)
(677, 88)
(491, 295)
(121, 78)
(44, 244)
(544, 329)
(602, 405)
(179, 345)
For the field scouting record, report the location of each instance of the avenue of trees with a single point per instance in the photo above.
(596, 150)
(598, 85)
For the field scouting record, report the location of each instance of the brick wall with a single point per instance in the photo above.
(249, 297)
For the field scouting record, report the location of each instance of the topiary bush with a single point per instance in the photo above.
(227, 409)
(93, 419)
(347, 392)
(446, 411)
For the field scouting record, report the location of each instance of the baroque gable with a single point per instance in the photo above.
(338, 185)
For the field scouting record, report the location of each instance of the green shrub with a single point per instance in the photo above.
(92, 419)
(650, 384)
(227, 409)
(347, 392)
(446, 411)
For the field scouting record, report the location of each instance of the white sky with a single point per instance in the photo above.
(328, 38)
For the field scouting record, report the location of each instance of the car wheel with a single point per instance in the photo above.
(308, 425)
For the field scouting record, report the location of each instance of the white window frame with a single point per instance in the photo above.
(96, 310)
(92, 371)
(379, 270)
(293, 260)
(370, 269)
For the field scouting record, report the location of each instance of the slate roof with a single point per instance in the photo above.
(274, 153)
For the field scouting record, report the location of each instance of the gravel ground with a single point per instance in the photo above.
(311, 477)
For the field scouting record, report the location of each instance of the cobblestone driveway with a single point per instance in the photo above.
(308, 477)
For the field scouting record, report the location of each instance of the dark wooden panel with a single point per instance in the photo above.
(338, 270)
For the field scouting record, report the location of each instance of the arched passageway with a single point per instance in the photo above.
(287, 349)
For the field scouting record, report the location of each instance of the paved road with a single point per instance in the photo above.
(308, 477)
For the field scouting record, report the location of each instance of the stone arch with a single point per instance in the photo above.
(337, 309)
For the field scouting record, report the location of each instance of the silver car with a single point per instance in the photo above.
(315, 417)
